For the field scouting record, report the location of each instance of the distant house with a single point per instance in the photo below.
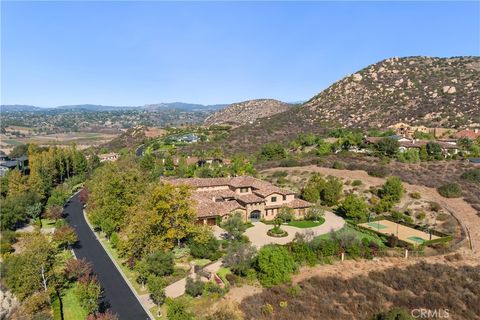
(199, 161)
(406, 130)
(448, 146)
(108, 157)
(399, 138)
(189, 138)
(7, 164)
(467, 133)
(254, 199)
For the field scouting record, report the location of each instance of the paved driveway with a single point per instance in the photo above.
(258, 233)
(117, 294)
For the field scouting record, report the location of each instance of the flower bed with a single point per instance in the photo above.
(277, 233)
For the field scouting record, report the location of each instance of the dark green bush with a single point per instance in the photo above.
(209, 250)
(450, 190)
(415, 195)
(114, 239)
(380, 172)
(356, 183)
(290, 162)
(472, 175)
(338, 165)
(194, 288)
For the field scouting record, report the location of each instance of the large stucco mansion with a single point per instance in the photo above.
(253, 198)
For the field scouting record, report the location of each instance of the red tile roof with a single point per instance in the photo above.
(467, 133)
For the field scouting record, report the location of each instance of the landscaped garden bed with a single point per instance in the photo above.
(277, 233)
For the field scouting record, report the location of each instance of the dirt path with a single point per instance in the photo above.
(458, 207)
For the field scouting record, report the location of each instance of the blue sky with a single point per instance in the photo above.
(134, 53)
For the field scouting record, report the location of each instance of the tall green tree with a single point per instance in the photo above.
(354, 207)
(275, 265)
(235, 226)
(88, 292)
(393, 189)
(32, 269)
(161, 219)
(387, 147)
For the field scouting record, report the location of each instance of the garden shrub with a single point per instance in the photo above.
(435, 206)
(415, 195)
(114, 240)
(231, 278)
(380, 171)
(450, 190)
(274, 265)
(177, 310)
(267, 309)
(472, 175)
(421, 215)
(278, 174)
(194, 288)
(394, 314)
(160, 263)
(354, 207)
(209, 250)
(290, 162)
(338, 165)
(212, 288)
(393, 188)
(356, 183)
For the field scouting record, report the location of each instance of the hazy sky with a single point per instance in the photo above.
(133, 53)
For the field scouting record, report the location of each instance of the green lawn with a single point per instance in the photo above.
(201, 262)
(48, 223)
(360, 235)
(222, 273)
(72, 310)
(306, 223)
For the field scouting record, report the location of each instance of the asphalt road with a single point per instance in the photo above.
(117, 294)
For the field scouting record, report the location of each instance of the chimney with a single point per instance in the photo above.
(476, 130)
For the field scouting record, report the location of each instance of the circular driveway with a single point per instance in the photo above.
(258, 233)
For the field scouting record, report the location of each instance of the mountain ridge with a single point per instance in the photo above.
(240, 113)
(435, 92)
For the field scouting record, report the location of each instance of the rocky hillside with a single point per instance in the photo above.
(442, 92)
(245, 112)
(131, 138)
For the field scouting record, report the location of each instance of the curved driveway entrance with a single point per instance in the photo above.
(258, 233)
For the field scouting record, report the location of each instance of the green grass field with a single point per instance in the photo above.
(306, 223)
(72, 310)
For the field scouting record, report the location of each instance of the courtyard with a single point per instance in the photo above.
(259, 238)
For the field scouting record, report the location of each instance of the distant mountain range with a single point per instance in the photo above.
(97, 108)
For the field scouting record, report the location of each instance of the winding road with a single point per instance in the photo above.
(117, 294)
